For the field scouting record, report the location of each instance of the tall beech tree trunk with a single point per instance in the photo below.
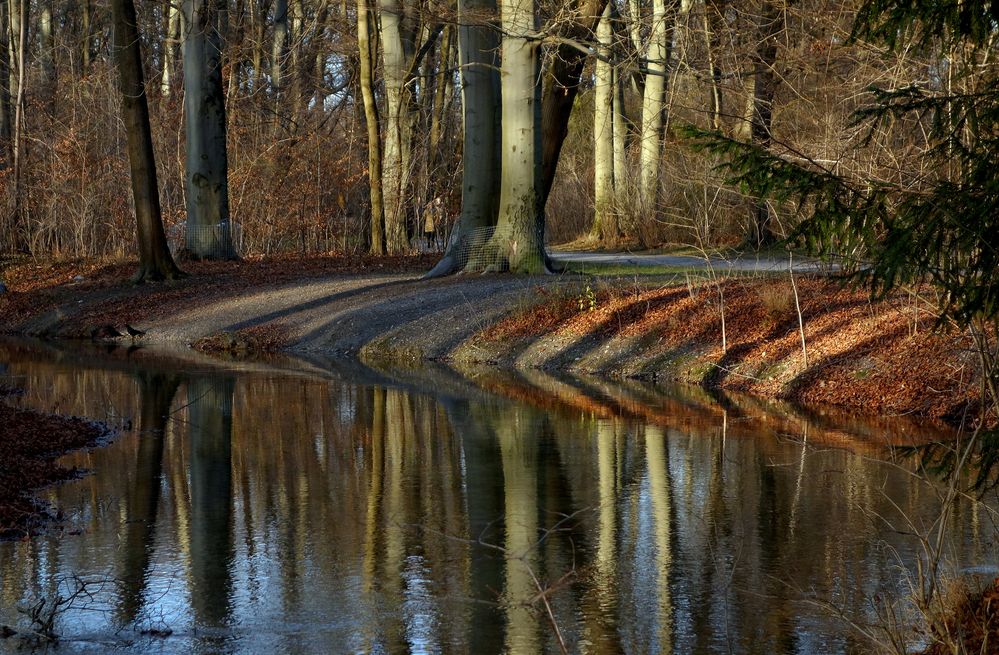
(398, 52)
(603, 133)
(478, 45)
(209, 231)
(155, 262)
(519, 237)
(653, 106)
(374, 134)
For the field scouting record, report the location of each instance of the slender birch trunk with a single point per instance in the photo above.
(478, 45)
(209, 232)
(374, 135)
(603, 132)
(155, 262)
(653, 106)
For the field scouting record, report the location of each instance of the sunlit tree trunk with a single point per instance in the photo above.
(172, 36)
(398, 50)
(478, 45)
(209, 232)
(519, 237)
(374, 135)
(713, 17)
(603, 133)
(18, 10)
(155, 262)
(653, 107)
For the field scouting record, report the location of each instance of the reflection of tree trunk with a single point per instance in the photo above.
(483, 484)
(211, 545)
(602, 629)
(156, 393)
(518, 451)
(657, 457)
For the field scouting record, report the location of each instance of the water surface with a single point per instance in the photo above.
(291, 507)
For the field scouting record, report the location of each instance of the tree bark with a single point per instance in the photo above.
(155, 262)
(209, 231)
(278, 51)
(653, 106)
(603, 133)
(5, 109)
(478, 45)
(519, 236)
(172, 36)
(374, 134)
(398, 50)
(763, 97)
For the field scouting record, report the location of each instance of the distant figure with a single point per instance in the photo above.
(3, 288)
(432, 215)
(133, 332)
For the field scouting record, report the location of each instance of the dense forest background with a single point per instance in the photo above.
(780, 73)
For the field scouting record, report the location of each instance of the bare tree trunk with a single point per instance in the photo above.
(47, 52)
(87, 35)
(209, 231)
(763, 97)
(713, 17)
(172, 36)
(155, 262)
(653, 106)
(374, 135)
(5, 117)
(18, 17)
(478, 45)
(519, 237)
(398, 51)
(603, 133)
(278, 48)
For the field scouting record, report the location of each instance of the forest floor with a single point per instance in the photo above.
(885, 357)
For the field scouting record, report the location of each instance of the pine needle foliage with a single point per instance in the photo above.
(945, 228)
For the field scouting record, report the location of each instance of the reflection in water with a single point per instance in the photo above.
(263, 511)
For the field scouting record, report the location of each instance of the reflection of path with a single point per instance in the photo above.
(211, 545)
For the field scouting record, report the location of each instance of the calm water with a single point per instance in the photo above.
(324, 507)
